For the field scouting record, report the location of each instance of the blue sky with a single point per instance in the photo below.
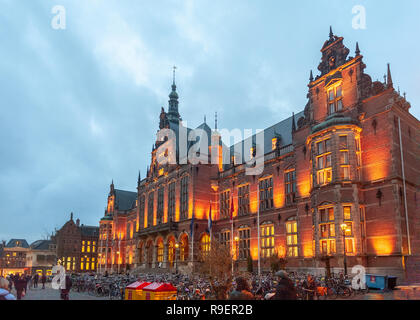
(80, 106)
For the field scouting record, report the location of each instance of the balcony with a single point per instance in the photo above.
(160, 228)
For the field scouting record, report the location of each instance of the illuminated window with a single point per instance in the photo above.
(243, 200)
(82, 264)
(160, 251)
(87, 263)
(225, 205)
(347, 212)
(335, 99)
(184, 249)
(327, 232)
(205, 245)
(252, 152)
(344, 158)
(171, 251)
(274, 144)
(244, 242)
(323, 162)
(83, 246)
(184, 197)
(290, 186)
(292, 237)
(171, 201)
(266, 194)
(88, 246)
(267, 240)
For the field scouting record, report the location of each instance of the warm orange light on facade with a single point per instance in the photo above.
(278, 199)
(253, 201)
(383, 246)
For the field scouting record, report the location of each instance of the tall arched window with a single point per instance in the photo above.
(184, 248)
(205, 245)
(267, 239)
(160, 251)
(171, 251)
(291, 237)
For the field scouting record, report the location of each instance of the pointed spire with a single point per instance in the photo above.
(357, 49)
(331, 33)
(389, 78)
(173, 113)
(205, 119)
(139, 179)
(173, 82)
(311, 77)
(71, 216)
(215, 121)
(112, 186)
(293, 123)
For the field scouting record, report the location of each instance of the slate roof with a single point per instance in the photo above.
(22, 243)
(282, 130)
(89, 231)
(41, 245)
(125, 200)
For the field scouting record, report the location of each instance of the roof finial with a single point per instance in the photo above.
(331, 33)
(357, 49)
(389, 78)
(139, 179)
(311, 77)
(293, 123)
(215, 121)
(205, 119)
(71, 216)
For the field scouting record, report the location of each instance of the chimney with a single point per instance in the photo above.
(77, 222)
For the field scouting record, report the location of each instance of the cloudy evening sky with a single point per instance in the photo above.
(80, 106)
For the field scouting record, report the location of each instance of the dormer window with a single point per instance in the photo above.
(335, 99)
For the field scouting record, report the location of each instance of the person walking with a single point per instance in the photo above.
(43, 280)
(36, 278)
(310, 287)
(20, 285)
(65, 292)
(285, 289)
(5, 293)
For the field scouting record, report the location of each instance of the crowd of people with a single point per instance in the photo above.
(269, 286)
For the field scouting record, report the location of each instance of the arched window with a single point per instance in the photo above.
(171, 251)
(205, 245)
(291, 237)
(160, 250)
(184, 248)
(267, 239)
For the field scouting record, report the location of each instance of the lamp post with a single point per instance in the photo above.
(237, 253)
(176, 257)
(344, 228)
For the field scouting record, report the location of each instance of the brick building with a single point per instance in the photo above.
(13, 257)
(342, 175)
(77, 246)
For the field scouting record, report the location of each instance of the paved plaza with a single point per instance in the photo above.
(51, 294)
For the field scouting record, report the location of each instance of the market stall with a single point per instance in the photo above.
(159, 291)
(134, 291)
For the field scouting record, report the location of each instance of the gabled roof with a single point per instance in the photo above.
(22, 243)
(125, 200)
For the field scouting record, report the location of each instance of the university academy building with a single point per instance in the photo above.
(341, 179)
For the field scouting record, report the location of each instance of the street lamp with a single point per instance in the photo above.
(237, 249)
(176, 257)
(345, 228)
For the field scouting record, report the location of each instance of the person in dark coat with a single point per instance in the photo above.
(65, 292)
(36, 278)
(285, 289)
(43, 280)
(242, 291)
(20, 285)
